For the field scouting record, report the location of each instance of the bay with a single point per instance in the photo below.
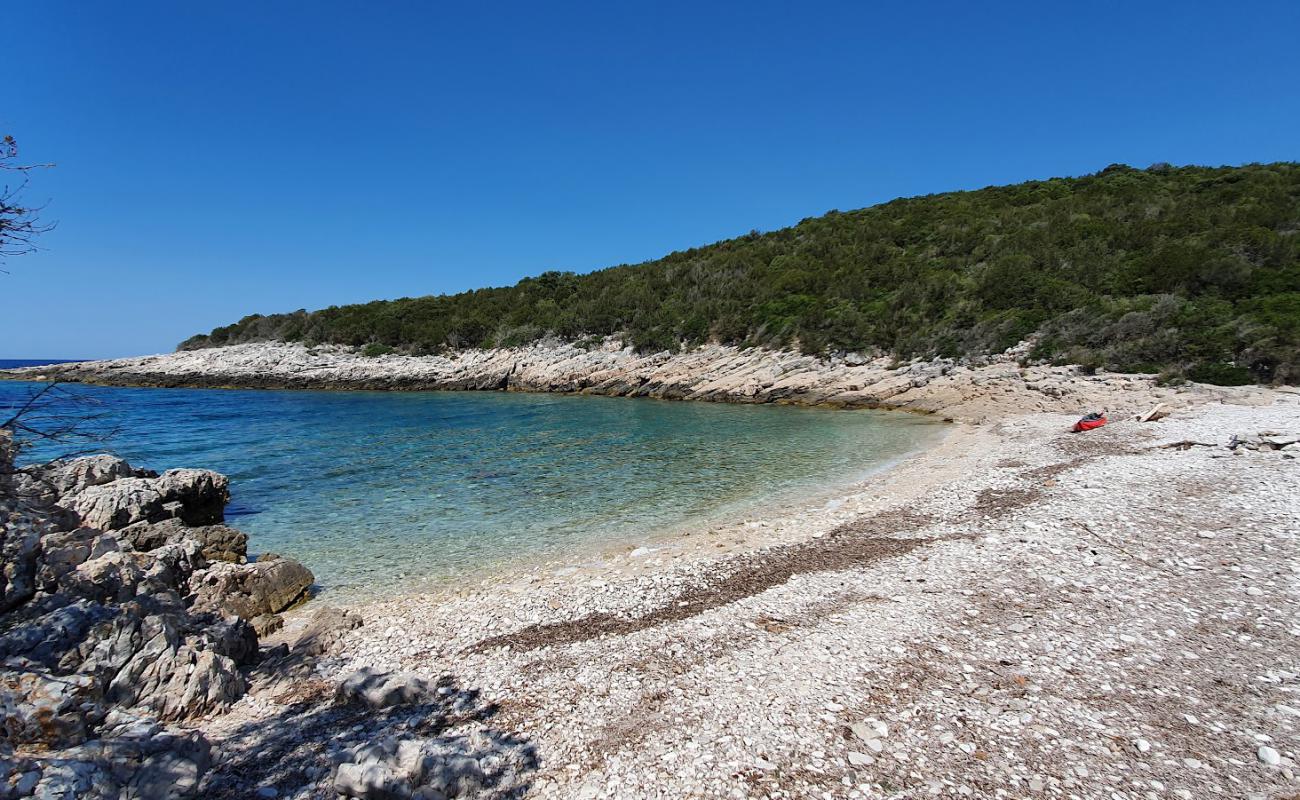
(383, 492)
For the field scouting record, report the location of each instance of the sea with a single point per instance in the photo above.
(387, 492)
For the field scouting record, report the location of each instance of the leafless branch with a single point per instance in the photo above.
(20, 224)
(54, 415)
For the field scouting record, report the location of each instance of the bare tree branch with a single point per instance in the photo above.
(20, 224)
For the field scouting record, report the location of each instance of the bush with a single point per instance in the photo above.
(1158, 268)
(1219, 374)
(375, 350)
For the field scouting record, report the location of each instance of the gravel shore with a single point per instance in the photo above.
(1019, 612)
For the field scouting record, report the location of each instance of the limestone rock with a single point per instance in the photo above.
(202, 493)
(267, 586)
(71, 477)
(195, 496)
(171, 679)
(39, 708)
(324, 629)
(98, 642)
(218, 542)
(384, 689)
(19, 543)
(115, 505)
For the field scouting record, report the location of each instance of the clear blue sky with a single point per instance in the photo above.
(219, 159)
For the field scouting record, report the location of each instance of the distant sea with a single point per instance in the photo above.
(382, 492)
(14, 363)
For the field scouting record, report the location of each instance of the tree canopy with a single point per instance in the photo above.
(1188, 270)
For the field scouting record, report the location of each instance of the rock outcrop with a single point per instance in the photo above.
(125, 605)
(251, 591)
(960, 389)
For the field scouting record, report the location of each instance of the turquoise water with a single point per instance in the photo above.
(383, 491)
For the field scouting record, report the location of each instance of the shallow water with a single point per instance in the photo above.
(385, 491)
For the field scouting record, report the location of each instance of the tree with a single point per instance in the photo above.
(20, 224)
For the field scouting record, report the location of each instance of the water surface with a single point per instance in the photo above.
(382, 491)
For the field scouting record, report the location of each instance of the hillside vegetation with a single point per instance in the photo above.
(1192, 271)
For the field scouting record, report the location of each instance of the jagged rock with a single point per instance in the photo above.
(218, 542)
(267, 586)
(20, 539)
(195, 496)
(39, 708)
(71, 477)
(172, 679)
(202, 494)
(134, 762)
(115, 505)
(63, 552)
(146, 536)
(113, 577)
(97, 642)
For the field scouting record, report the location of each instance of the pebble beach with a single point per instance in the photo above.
(1020, 612)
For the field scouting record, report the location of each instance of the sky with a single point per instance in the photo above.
(214, 160)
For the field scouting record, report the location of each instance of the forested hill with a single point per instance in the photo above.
(1189, 270)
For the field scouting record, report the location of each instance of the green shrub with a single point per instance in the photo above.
(1219, 374)
(1151, 269)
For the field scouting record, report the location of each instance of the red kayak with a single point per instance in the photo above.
(1089, 422)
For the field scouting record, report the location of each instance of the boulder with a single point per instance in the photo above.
(201, 493)
(378, 690)
(218, 542)
(115, 505)
(70, 477)
(267, 586)
(221, 543)
(390, 768)
(194, 496)
(325, 628)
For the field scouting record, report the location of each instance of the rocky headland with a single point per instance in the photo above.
(963, 390)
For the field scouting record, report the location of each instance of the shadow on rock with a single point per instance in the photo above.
(375, 736)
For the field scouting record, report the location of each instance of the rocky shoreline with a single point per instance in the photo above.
(957, 390)
(128, 611)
